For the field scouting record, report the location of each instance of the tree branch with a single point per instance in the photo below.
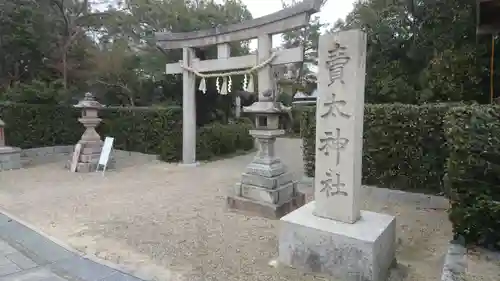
(60, 6)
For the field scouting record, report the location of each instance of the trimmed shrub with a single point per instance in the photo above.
(28, 126)
(433, 148)
(151, 130)
(403, 146)
(220, 139)
(308, 136)
(473, 173)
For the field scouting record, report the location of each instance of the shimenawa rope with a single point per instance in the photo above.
(226, 77)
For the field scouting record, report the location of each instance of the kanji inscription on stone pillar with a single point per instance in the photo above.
(339, 125)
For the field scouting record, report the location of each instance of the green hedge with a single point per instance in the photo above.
(29, 126)
(153, 131)
(433, 148)
(308, 136)
(216, 139)
(473, 173)
(403, 146)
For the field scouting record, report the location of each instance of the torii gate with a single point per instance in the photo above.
(261, 28)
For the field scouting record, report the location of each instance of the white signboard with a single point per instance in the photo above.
(105, 153)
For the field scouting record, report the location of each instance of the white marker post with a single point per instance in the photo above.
(105, 153)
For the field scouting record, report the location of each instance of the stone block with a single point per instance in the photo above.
(91, 149)
(266, 182)
(10, 165)
(276, 196)
(362, 251)
(89, 158)
(10, 158)
(263, 170)
(267, 210)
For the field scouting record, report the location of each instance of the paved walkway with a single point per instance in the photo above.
(25, 255)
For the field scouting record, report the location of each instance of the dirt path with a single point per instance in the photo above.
(171, 222)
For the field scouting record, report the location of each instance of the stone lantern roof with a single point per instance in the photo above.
(89, 102)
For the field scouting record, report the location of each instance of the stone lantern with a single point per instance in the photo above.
(266, 188)
(91, 143)
(10, 157)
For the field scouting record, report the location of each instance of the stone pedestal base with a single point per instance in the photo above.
(263, 209)
(363, 251)
(265, 190)
(89, 158)
(10, 158)
(92, 167)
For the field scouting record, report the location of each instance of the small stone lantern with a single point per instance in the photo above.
(266, 188)
(91, 143)
(10, 157)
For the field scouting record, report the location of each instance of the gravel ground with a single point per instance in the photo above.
(482, 265)
(171, 222)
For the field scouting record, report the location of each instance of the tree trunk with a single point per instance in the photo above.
(65, 69)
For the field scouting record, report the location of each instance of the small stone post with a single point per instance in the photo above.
(91, 143)
(10, 157)
(2, 135)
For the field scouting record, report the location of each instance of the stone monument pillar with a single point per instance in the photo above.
(91, 143)
(10, 157)
(331, 235)
(266, 188)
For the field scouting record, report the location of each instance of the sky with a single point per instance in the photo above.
(330, 12)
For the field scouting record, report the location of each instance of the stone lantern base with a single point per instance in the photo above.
(266, 188)
(89, 157)
(10, 158)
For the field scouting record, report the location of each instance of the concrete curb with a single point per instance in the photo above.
(455, 263)
(122, 268)
(49, 154)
